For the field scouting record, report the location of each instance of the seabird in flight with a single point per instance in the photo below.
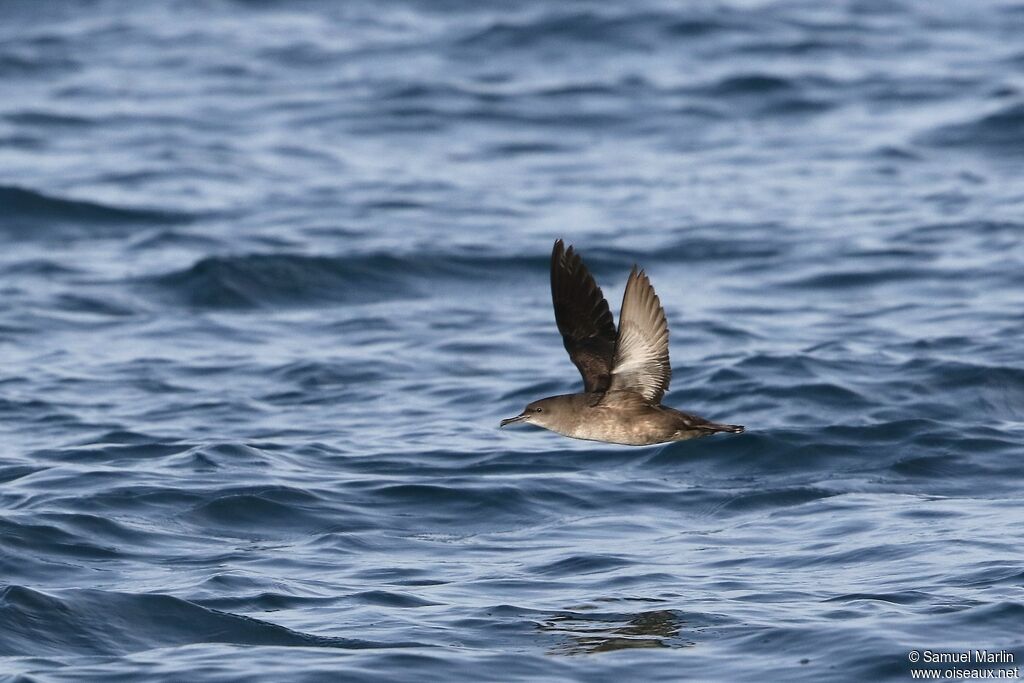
(625, 372)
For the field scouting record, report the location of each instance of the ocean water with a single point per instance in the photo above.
(271, 272)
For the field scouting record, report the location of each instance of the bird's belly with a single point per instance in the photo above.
(626, 432)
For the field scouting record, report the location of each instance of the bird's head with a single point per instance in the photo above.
(540, 413)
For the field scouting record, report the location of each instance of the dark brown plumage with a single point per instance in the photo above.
(583, 318)
(626, 372)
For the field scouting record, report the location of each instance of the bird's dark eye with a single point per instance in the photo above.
(538, 410)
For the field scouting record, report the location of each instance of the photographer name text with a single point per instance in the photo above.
(966, 657)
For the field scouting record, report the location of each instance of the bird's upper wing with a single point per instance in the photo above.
(583, 318)
(641, 351)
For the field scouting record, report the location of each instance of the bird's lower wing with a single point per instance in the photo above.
(641, 363)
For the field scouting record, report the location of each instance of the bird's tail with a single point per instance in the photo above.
(714, 428)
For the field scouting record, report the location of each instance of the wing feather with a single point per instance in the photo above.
(583, 318)
(641, 363)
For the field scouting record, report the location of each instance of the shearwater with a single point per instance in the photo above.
(625, 372)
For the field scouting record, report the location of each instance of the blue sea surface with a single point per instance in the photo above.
(271, 272)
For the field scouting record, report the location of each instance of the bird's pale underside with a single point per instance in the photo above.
(625, 372)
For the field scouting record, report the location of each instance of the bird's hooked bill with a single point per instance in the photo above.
(511, 420)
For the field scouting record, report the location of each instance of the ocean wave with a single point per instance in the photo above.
(53, 547)
(43, 267)
(487, 503)
(275, 279)
(26, 211)
(381, 598)
(999, 132)
(97, 622)
(39, 62)
(635, 30)
(866, 277)
(583, 564)
(265, 510)
(11, 473)
(45, 119)
(281, 279)
(272, 280)
(584, 27)
(750, 84)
